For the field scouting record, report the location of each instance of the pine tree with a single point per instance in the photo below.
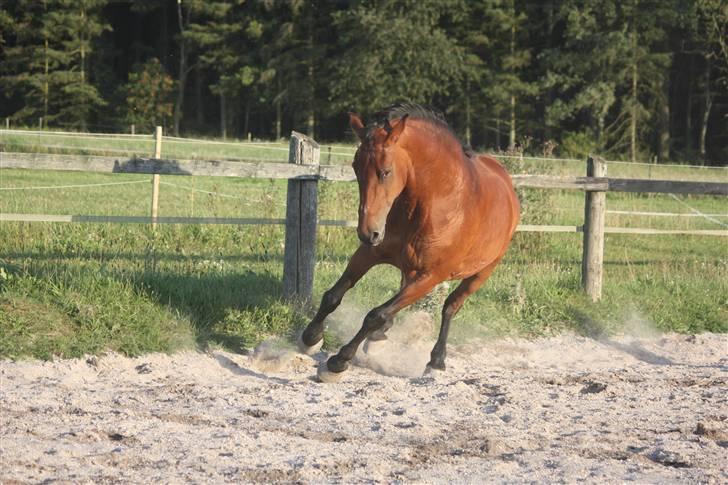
(708, 28)
(148, 96)
(225, 36)
(498, 56)
(394, 51)
(76, 24)
(294, 56)
(47, 64)
(26, 63)
(608, 71)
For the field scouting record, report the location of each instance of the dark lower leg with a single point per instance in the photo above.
(314, 332)
(381, 334)
(374, 321)
(360, 263)
(439, 351)
(453, 303)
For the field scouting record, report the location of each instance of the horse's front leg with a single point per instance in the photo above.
(361, 262)
(375, 320)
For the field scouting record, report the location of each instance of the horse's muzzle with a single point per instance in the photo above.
(371, 238)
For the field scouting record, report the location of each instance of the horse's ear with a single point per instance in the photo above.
(395, 131)
(357, 126)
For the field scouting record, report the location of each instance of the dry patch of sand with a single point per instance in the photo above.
(563, 409)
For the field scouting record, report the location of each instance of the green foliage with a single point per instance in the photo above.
(148, 96)
(642, 78)
(579, 144)
(397, 51)
(48, 63)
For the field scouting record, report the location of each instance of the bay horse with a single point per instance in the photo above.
(427, 206)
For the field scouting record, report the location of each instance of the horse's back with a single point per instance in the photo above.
(497, 178)
(498, 206)
(494, 168)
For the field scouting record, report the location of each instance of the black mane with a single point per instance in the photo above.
(396, 111)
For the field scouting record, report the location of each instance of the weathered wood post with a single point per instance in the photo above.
(301, 217)
(595, 209)
(155, 177)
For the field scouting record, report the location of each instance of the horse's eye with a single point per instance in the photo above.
(384, 173)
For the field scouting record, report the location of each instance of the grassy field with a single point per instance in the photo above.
(72, 289)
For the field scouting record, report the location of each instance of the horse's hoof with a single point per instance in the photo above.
(434, 371)
(326, 376)
(305, 349)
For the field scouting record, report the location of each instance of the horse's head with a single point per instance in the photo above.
(381, 170)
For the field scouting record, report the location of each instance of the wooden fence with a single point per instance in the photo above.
(303, 173)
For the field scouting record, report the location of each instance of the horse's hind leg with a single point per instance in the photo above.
(381, 334)
(453, 303)
(361, 262)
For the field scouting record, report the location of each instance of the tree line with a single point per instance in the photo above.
(636, 79)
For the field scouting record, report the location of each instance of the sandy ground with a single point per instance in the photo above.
(565, 409)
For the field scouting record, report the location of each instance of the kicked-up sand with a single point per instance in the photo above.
(562, 409)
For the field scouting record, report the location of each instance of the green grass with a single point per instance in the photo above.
(72, 289)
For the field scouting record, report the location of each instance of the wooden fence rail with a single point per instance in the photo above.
(303, 173)
(335, 173)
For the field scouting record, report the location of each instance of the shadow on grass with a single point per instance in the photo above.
(217, 303)
(132, 256)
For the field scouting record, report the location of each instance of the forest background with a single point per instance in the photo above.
(635, 79)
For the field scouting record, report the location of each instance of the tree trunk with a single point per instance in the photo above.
(182, 74)
(223, 117)
(46, 86)
(200, 110)
(311, 121)
(246, 120)
(498, 133)
(549, 95)
(689, 108)
(706, 109)
(512, 135)
(467, 113)
(633, 120)
(83, 65)
(663, 148)
(311, 118)
(278, 108)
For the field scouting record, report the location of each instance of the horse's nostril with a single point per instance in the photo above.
(375, 236)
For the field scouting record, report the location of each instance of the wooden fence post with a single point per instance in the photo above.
(155, 177)
(301, 220)
(595, 209)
